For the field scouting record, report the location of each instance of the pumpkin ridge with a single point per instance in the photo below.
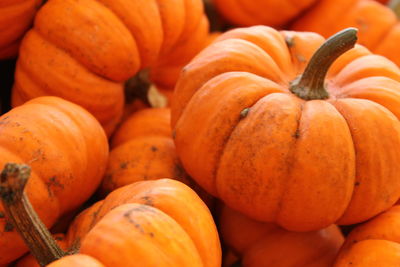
(290, 160)
(240, 117)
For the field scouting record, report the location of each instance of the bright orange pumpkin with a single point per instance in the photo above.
(67, 149)
(265, 244)
(143, 149)
(374, 243)
(151, 223)
(88, 58)
(16, 17)
(273, 140)
(253, 12)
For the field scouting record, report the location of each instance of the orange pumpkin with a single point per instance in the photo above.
(67, 149)
(15, 18)
(265, 244)
(272, 139)
(154, 223)
(374, 243)
(143, 149)
(379, 28)
(253, 12)
(88, 58)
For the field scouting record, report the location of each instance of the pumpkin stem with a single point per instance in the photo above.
(19, 211)
(311, 84)
(394, 5)
(138, 87)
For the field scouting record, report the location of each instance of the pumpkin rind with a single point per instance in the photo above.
(272, 155)
(105, 47)
(59, 140)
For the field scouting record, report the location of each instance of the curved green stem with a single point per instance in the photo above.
(311, 84)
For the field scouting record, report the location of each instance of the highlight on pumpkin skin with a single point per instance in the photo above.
(90, 69)
(235, 118)
(381, 235)
(59, 140)
(134, 224)
(258, 244)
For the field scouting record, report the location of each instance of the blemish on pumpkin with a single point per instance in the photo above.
(8, 227)
(356, 183)
(153, 148)
(301, 58)
(289, 41)
(53, 183)
(297, 134)
(58, 238)
(173, 134)
(148, 201)
(244, 113)
(2, 215)
(123, 165)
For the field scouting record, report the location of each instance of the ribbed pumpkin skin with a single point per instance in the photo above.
(86, 59)
(167, 211)
(374, 242)
(253, 12)
(67, 150)
(245, 138)
(266, 244)
(379, 29)
(143, 149)
(16, 17)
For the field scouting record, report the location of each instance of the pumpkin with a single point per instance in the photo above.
(376, 242)
(265, 244)
(67, 149)
(87, 59)
(154, 223)
(379, 28)
(15, 18)
(142, 149)
(266, 129)
(253, 12)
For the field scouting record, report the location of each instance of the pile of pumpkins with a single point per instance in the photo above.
(137, 137)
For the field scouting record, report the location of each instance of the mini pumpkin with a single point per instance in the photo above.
(67, 149)
(151, 223)
(253, 12)
(87, 59)
(16, 17)
(376, 242)
(273, 133)
(266, 244)
(143, 149)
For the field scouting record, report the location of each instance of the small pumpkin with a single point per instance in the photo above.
(16, 17)
(154, 223)
(87, 59)
(374, 243)
(379, 27)
(67, 149)
(266, 244)
(253, 12)
(273, 133)
(142, 149)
